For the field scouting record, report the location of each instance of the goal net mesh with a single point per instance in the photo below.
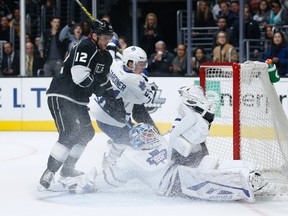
(263, 125)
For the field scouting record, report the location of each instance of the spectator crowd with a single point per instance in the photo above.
(265, 21)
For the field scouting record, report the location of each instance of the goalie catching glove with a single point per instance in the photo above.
(193, 97)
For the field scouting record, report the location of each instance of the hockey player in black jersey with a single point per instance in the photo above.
(84, 73)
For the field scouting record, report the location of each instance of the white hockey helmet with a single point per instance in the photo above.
(144, 137)
(193, 96)
(134, 54)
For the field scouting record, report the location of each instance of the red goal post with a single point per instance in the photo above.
(236, 102)
(250, 122)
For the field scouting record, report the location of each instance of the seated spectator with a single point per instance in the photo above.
(123, 43)
(179, 63)
(160, 61)
(5, 10)
(254, 5)
(222, 26)
(50, 8)
(203, 16)
(15, 22)
(224, 50)
(278, 53)
(252, 29)
(235, 8)
(227, 13)
(28, 38)
(263, 8)
(4, 29)
(216, 9)
(150, 33)
(85, 28)
(11, 61)
(33, 61)
(199, 56)
(72, 38)
(276, 16)
(36, 45)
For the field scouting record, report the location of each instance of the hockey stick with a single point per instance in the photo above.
(85, 10)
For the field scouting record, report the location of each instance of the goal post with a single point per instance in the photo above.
(250, 122)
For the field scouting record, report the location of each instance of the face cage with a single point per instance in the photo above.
(145, 139)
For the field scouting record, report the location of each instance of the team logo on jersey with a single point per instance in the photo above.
(99, 68)
(157, 156)
(142, 85)
(157, 101)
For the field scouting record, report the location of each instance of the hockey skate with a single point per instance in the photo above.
(256, 181)
(80, 184)
(45, 180)
(70, 173)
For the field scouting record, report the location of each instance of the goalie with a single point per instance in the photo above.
(151, 159)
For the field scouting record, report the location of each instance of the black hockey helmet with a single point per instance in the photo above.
(101, 27)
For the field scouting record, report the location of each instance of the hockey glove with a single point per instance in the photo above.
(117, 109)
(114, 106)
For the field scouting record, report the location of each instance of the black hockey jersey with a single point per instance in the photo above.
(87, 54)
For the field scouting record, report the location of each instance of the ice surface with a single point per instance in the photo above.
(23, 158)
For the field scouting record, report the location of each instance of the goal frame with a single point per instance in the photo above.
(236, 100)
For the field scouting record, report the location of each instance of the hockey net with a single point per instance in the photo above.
(250, 122)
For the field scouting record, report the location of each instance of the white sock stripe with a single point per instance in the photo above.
(60, 152)
(57, 113)
(60, 115)
(54, 111)
(77, 151)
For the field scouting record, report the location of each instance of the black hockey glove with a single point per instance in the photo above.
(115, 106)
(117, 110)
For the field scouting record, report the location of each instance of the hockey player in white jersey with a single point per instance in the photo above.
(132, 86)
(150, 160)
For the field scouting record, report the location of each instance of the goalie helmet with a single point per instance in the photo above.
(193, 97)
(144, 137)
(134, 54)
(101, 27)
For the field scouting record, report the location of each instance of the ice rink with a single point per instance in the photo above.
(23, 158)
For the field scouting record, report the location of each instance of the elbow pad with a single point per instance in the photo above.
(81, 76)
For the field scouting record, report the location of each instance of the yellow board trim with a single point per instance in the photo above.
(50, 126)
(216, 129)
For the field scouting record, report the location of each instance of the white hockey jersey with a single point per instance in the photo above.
(132, 88)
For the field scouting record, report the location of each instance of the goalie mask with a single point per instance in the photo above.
(144, 137)
(193, 97)
(136, 55)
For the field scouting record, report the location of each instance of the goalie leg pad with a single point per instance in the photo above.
(216, 185)
(209, 162)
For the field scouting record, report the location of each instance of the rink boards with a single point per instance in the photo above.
(23, 103)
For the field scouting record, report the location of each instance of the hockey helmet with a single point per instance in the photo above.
(193, 97)
(101, 27)
(135, 54)
(144, 137)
